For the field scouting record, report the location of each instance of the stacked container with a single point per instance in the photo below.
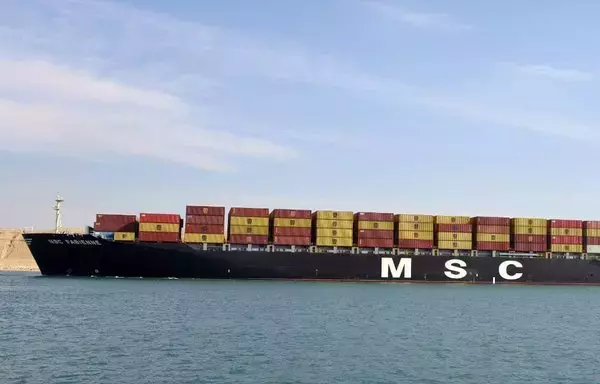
(414, 231)
(454, 232)
(333, 228)
(204, 224)
(566, 235)
(248, 226)
(591, 236)
(529, 234)
(374, 229)
(290, 227)
(492, 233)
(116, 226)
(160, 227)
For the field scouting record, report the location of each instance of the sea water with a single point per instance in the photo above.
(95, 330)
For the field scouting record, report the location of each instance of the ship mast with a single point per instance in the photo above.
(58, 223)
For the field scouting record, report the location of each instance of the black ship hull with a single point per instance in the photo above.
(68, 255)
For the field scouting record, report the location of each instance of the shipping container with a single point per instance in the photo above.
(492, 237)
(249, 212)
(375, 234)
(566, 232)
(492, 221)
(159, 227)
(566, 240)
(454, 228)
(115, 227)
(591, 232)
(454, 236)
(294, 232)
(519, 230)
(208, 229)
(334, 241)
(300, 223)
(495, 229)
(249, 221)
(541, 239)
(530, 247)
(124, 236)
(492, 246)
(105, 235)
(428, 227)
(593, 249)
(204, 210)
(208, 238)
(291, 240)
(163, 218)
(375, 243)
(381, 225)
(415, 244)
(566, 248)
(205, 220)
(334, 224)
(452, 220)
(410, 218)
(248, 230)
(592, 240)
(159, 237)
(415, 235)
(332, 232)
(566, 224)
(291, 214)
(374, 216)
(591, 224)
(528, 222)
(462, 245)
(334, 215)
(248, 239)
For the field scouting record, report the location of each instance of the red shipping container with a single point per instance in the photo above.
(375, 234)
(158, 237)
(292, 214)
(577, 224)
(415, 244)
(205, 229)
(291, 231)
(493, 229)
(115, 227)
(492, 246)
(530, 247)
(539, 239)
(207, 220)
(376, 243)
(248, 239)
(249, 212)
(164, 218)
(591, 224)
(115, 218)
(374, 216)
(291, 240)
(463, 228)
(566, 240)
(494, 221)
(591, 240)
(204, 210)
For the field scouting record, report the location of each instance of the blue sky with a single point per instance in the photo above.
(462, 107)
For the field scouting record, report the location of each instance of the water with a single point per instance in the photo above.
(68, 330)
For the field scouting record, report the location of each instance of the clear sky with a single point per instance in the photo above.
(442, 107)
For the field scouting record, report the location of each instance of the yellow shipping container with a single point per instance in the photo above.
(528, 222)
(125, 236)
(455, 236)
(295, 223)
(334, 215)
(492, 237)
(334, 241)
(248, 230)
(335, 224)
(452, 219)
(455, 245)
(415, 235)
(567, 232)
(329, 232)
(202, 238)
(381, 225)
(567, 248)
(408, 218)
(249, 221)
(527, 230)
(592, 232)
(159, 227)
(415, 227)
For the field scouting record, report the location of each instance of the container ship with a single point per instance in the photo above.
(296, 244)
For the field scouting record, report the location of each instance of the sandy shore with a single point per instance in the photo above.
(14, 254)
